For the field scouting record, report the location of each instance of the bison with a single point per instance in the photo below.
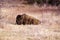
(25, 19)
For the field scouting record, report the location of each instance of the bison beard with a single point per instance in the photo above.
(25, 19)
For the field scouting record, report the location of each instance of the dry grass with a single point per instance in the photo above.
(49, 29)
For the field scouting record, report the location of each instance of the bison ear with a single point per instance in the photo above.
(18, 16)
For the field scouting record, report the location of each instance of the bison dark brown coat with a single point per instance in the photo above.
(25, 19)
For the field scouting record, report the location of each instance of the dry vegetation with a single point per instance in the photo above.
(49, 29)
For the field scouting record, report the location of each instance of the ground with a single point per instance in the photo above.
(49, 29)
